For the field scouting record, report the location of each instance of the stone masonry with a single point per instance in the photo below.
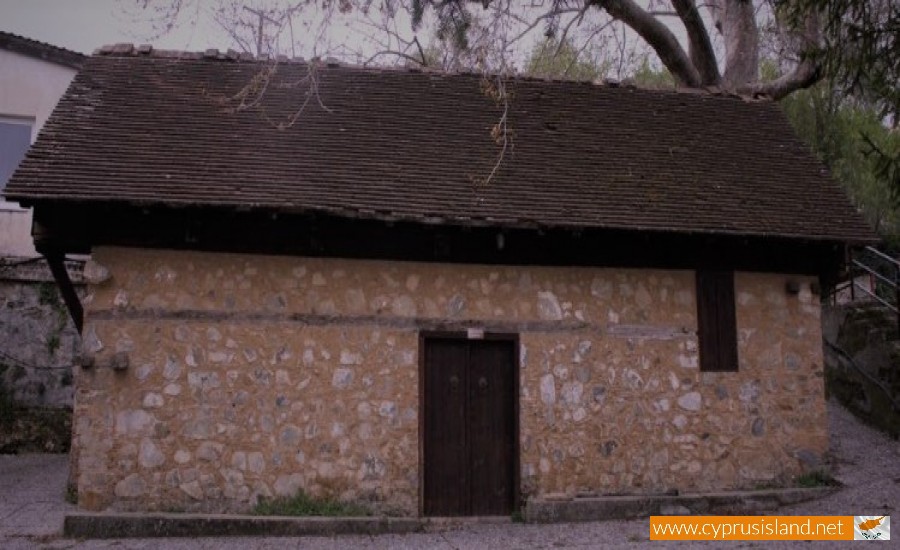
(39, 340)
(213, 379)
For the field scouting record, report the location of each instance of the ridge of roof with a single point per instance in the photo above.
(125, 49)
(41, 50)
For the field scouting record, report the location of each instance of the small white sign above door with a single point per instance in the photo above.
(475, 333)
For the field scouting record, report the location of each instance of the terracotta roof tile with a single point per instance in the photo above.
(40, 50)
(410, 145)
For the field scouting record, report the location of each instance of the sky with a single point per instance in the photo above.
(85, 25)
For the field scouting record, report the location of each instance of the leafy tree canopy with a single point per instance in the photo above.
(839, 131)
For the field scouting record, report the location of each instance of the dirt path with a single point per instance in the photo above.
(866, 461)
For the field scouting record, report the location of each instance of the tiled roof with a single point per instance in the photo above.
(40, 50)
(145, 127)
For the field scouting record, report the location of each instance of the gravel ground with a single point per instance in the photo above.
(866, 461)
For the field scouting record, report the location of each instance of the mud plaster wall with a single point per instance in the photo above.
(244, 376)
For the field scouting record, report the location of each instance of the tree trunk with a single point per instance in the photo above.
(736, 21)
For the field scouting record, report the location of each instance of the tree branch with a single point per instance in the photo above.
(556, 12)
(657, 35)
(565, 34)
(804, 75)
(424, 61)
(420, 62)
(701, 50)
(807, 72)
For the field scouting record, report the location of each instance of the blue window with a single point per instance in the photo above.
(15, 138)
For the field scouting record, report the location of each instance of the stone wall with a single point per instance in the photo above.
(40, 342)
(862, 362)
(214, 379)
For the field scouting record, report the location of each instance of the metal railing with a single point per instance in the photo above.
(873, 277)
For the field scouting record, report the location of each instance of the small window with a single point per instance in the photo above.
(15, 138)
(716, 324)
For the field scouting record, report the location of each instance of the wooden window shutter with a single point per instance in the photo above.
(716, 321)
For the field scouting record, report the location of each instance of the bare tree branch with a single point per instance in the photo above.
(587, 43)
(418, 61)
(242, 44)
(701, 50)
(657, 35)
(421, 51)
(806, 73)
(574, 21)
(537, 20)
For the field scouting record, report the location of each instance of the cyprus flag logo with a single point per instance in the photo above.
(871, 527)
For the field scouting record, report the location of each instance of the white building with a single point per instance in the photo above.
(33, 76)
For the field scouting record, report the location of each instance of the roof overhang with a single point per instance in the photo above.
(77, 228)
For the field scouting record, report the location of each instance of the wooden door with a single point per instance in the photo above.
(469, 426)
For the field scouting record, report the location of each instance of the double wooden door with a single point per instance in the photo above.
(469, 426)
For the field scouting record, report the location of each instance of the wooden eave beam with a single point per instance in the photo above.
(56, 262)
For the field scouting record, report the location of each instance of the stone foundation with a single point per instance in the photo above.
(215, 379)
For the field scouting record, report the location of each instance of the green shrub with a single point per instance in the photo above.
(817, 478)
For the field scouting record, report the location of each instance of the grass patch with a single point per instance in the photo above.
(517, 516)
(302, 504)
(817, 478)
